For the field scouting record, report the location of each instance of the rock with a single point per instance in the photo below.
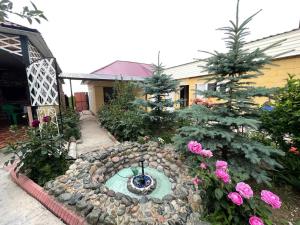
(194, 219)
(111, 193)
(109, 220)
(168, 198)
(143, 200)
(181, 193)
(64, 197)
(159, 155)
(160, 168)
(81, 205)
(92, 169)
(48, 185)
(58, 191)
(195, 203)
(153, 164)
(93, 217)
(121, 211)
(157, 200)
(134, 209)
(87, 210)
(126, 201)
(115, 159)
(75, 198)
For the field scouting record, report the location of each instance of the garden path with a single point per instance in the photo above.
(19, 208)
(92, 135)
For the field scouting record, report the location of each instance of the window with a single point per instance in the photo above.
(107, 94)
(199, 88)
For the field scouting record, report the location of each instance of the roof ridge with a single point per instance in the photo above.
(272, 35)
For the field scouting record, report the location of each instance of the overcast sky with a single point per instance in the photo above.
(86, 35)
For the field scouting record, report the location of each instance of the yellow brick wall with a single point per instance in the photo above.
(273, 76)
(98, 95)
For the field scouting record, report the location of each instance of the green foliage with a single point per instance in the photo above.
(218, 208)
(123, 119)
(283, 125)
(42, 156)
(157, 89)
(71, 125)
(222, 127)
(29, 13)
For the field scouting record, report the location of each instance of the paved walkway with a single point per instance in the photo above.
(92, 135)
(19, 208)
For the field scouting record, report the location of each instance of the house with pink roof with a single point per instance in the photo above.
(101, 81)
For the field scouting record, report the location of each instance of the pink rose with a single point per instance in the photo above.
(221, 165)
(206, 153)
(244, 190)
(236, 198)
(195, 147)
(271, 199)
(196, 181)
(203, 166)
(254, 220)
(222, 175)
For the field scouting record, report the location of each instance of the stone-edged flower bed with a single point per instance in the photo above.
(83, 188)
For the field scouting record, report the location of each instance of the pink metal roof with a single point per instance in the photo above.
(126, 68)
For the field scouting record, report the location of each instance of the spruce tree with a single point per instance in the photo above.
(224, 127)
(157, 104)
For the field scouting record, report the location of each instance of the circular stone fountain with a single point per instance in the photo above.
(103, 187)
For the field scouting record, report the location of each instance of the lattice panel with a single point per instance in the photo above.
(43, 111)
(34, 54)
(11, 44)
(41, 76)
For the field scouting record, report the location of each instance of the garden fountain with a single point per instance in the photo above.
(129, 184)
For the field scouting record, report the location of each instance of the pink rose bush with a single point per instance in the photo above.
(244, 190)
(271, 199)
(236, 198)
(221, 165)
(195, 147)
(222, 175)
(216, 181)
(254, 220)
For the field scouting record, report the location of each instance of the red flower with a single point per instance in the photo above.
(294, 150)
(46, 119)
(35, 123)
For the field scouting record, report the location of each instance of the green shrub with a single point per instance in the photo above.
(71, 125)
(120, 116)
(283, 125)
(42, 155)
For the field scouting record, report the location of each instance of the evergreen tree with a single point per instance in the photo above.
(224, 126)
(157, 89)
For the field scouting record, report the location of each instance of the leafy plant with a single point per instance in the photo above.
(283, 125)
(227, 200)
(71, 125)
(123, 119)
(7, 8)
(223, 126)
(42, 155)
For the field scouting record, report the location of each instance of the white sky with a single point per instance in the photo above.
(86, 35)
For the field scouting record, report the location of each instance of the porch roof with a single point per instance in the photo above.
(94, 77)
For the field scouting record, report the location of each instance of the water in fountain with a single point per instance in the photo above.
(118, 182)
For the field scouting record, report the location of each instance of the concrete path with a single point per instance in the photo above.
(19, 208)
(92, 135)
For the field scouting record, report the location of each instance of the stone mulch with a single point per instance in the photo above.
(83, 189)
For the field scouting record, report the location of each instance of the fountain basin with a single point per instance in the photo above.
(119, 183)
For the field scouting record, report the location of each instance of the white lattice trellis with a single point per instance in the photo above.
(11, 44)
(34, 54)
(43, 111)
(42, 82)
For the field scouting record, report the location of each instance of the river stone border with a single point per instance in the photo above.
(83, 189)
